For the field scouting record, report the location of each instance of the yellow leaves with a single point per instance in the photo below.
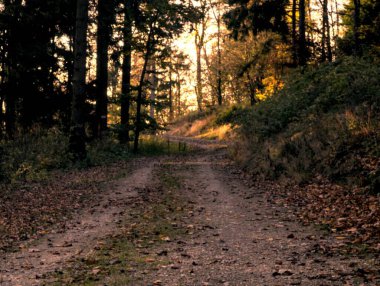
(165, 238)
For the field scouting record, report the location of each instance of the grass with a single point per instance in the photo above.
(32, 157)
(218, 123)
(325, 121)
(119, 259)
(154, 146)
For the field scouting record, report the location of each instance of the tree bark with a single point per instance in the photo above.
(77, 132)
(217, 16)
(219, 83)
(178, 94)
(148, 51)
(328, 35)
(199, 43)
(252, 89)
(103, 38)
(11, 82)
(153, 88)
(171, 107)
(323, 36)
(125, 99)
(357, 7)
(294, 32)
(326, 41)
(199, 87)
(302, 34)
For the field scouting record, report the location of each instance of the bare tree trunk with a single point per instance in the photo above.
(125, 100)
(337, 18)
(200, 30)
(302, 34)
(178, 94)
(326, 40)
(214, 89)
(357, 24)
(11, 86)
(333, 24)
(171, 108)
(323, 36)
(219, 84)
(153, 88)
(252, 89)
(77, 133)
(138, 127)
(217, 16)
(103, 38)
(199, 87)
(294, 32)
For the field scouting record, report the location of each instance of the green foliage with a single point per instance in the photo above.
(369, 31)
(153, 145)
(324, 121)
(328, 88)
(231, 115)
(105, 151)
(193, 116)
(31, 156)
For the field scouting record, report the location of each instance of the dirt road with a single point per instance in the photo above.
(234, 234)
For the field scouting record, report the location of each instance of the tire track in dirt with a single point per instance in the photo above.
(238, 236)
(80, 236)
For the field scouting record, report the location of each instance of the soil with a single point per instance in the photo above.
(236, 233)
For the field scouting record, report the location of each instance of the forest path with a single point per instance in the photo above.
(230, 233)
(78, 238)
(237, 235)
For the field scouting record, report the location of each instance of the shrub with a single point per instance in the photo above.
(30, 156)
(326, 120)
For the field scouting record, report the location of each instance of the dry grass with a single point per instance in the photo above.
(203, 128)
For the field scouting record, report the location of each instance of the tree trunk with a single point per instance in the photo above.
(11, 85)
(77, 133)
(337, 18)
(178, 94)
(328, 35)
(219, 84)
(171, 108)
(199, 43)
(294, 32)
(103, 37)
(153, 88)
(219, 71)
(138, 126)
(214, 88)
(302, 34)
(357, 27)
(125, 99)
(326, 41)
(199, 87)
(252, 89)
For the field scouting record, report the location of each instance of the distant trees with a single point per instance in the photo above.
(362, 20)
(286, 34)
(49, 75)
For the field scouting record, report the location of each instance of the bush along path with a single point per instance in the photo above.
(192, 219)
